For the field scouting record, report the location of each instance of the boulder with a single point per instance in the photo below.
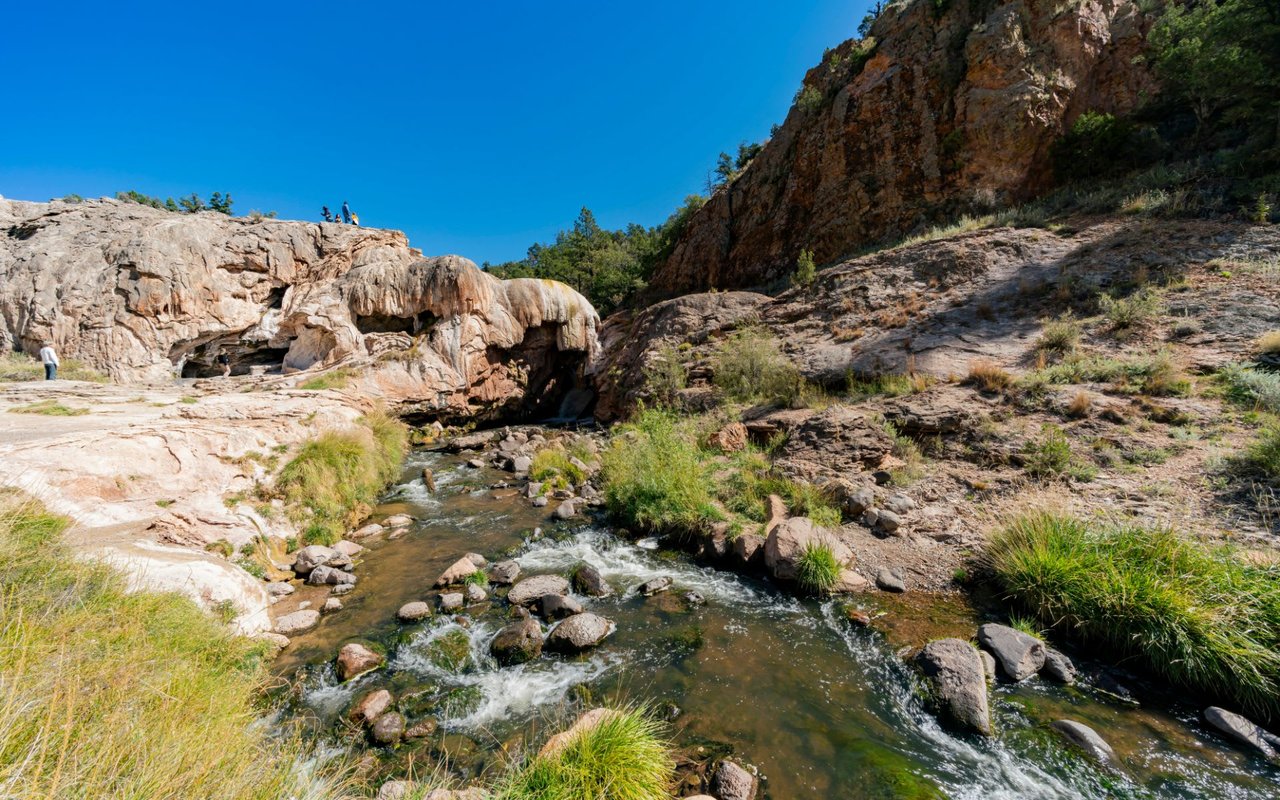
(280, 589)
(371, 706)
(1058, 667)
(532, 589)
(539, 502)
(479, 561)
(788, 541)
(366, 531)
(517, 643)
(414, 612)
(276, 640)
(988, 665)
(565, 510)
(748, 550)
(451, 601)
(558, 606)
(297, 622)
(520, 464)
(504, 573)
(355, 659)
(1086, 738)
(888, 521)
(1019, 654)
(331, 605)
(899, 503)
(958, 682)
(1243, 730)
(588, 580)
(329, 576)
(312, 556)
(850, 581)
(394, 790)
(533, 489)
(731, 438)
(398, 521)
(852, 498)
(472, 441)
(583, 724)
(349, 549)
(475, 594)
(388, 729)
(890, 580)
(578, 633)
(732, 782)
(459, 571)
(651, 587)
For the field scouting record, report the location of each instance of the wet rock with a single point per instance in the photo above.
(533, 588)
(583, 724)
(651, 587)
(341, 589)
(533, 489)
(565, 510)
(852, 499)
(732, 782)
(517, 643)
(459, 571)
(429, 480)
(398, 521)
(1243, 730)
(367, 531)
(890, 580)
(539, 502)
(475, 594)
(557, 606)
(715, 544)
(1086, 738)
(958, 681)
(520, 464)
(988, 665)
(788, 541)
(888, 521)
(588, 580)
(731, 438)
(312, 556)
(748, 550)
(414, 612)
(329, 576)
(1020, 655)
(331, 605)
(1058, 667)
(388, 729)
(451, 601)
(578, 633)
(297, 622)
(277, 641)
(504, 573)
(394, 790)
(371, 706)
(349, 549)
(899, 503)
(694, 598)
(477, 560)
(476, 463)
(355, 659)
(472, 441)
(422, 729)
(857, 616)
(280, 589)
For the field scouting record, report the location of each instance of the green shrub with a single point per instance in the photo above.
(1100, 144)
(1060, 335)
(808, 99)
(750, 366)
(1051, 457)
(806, 270)
(623, 757)
(108, 693)
(1250, 387)
(817, 569)
(1198, 616)
(665, 375)
(552, 465)
(655, 477)
(1156, 374)
(330, 484)
(746, 487)
(1132, 312)
(1262, 456)
(885, 385)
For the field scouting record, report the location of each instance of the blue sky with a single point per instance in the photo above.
(477, 128)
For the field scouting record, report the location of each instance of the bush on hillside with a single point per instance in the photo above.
(749, 366)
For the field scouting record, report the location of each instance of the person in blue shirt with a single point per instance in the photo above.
(346, 212)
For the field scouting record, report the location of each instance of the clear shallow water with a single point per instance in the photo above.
(823, 708)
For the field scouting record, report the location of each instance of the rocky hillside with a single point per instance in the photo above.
(143, 294)
(944, 109)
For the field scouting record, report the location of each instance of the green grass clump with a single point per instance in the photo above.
(477, 578)
(1051, 457)
(552, 465)
(655, 476)
(886, 385)
(337, 379)
(1251, 387)
(1132, 312)
(747, 485)
(1156, 374)
(49, 408)
(18, 367)
(749, 366)
(329, 485)
(817, 569)
(1262, 456)
(1195, 615)
(623, 757)
(665, 375)
(106, 693)
(1060, 335)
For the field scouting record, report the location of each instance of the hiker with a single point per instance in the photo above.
(346, 212)
(355, 220)
(224, 361)
(326, 213)
(50, 359)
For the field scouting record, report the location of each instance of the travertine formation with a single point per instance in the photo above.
(949, 108)
(143, 294)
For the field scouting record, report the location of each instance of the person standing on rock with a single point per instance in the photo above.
(50, 359)
(326, 213)
(346, 212)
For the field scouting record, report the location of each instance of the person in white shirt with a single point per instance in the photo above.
(50, 359)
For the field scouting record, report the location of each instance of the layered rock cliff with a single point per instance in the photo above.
(143, 294)
(938, 113)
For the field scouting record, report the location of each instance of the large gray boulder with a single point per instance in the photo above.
(517, 643)
(457, 572)
(504, 573)
(312, 556)
(297, 622)
(788, 541)
(1243, 730)
(1086, 738)
(953, 668)
(1058, 667)
(588, 580)
(578, 633)
(532, 589)
(1021, 655)
(330, 576)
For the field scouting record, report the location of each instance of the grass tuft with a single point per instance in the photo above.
(337, 379)
(1131, 312)
(1195, 615)
(1268, 343)
(1060, 335)
(49, 408)
(817, 569)
(749, 366)
(989, 376)
(552, 465)
(1250, 387)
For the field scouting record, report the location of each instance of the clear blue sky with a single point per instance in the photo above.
(476, 127)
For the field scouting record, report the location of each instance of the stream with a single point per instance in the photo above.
(822, 707)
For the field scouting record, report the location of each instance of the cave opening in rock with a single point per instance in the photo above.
(388, 323)
(199, 359)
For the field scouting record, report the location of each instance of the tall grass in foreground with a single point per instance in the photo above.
(1194, 615)
(817, 569)
(624, 757)
(330, 484)
(105, 694)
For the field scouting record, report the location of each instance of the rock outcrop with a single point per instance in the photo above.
(142, 294)
(947, 109)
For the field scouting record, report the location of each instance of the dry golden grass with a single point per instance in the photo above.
(1269, 343)
(989, 376)
(1080, 405)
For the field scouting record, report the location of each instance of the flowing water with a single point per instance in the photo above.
(824, 709)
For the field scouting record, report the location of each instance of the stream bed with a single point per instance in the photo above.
(822, 707)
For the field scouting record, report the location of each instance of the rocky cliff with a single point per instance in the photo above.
(143, 294)
(947, 108)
